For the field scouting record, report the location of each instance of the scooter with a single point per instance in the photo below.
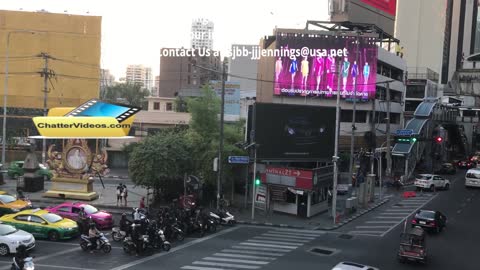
(130, 247)
(117, 234)
(103, 243)
(27, 264)
(160, 242)
(224, 216)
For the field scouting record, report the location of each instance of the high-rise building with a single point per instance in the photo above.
(141, 75)
(202, 34)
(182, 75)
(437, 34)
(106, 78)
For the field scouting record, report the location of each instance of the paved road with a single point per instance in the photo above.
(276, 248)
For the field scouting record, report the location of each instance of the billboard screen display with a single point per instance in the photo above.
(307, 66)
(388, 6)
(294, 132)
(232, 97)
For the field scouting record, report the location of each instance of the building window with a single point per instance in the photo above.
(415, 91)
(156, 106)
(188, 80)
(169, 107)
(194, 82)
(346, 116)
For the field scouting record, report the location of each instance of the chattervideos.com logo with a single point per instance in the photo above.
(92, 119)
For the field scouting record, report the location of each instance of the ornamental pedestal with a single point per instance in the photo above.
(74, 169)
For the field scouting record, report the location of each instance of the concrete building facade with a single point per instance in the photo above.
(202, 34)
(141, 75)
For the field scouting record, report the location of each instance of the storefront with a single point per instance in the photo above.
(298, 191)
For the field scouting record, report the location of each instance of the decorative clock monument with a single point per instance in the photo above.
(74, 168)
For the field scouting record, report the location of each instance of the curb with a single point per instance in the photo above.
(361, 213)
(114, 177)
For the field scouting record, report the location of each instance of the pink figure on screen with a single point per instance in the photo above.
(330, 66)
(278, 69)
(318, 70)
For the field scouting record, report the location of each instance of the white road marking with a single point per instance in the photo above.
(256, 252)
(227, 265)
(393, 214)
(234, 260)
(381, 222)
(243, 256)
(371, 227)
(283, 239)
(200, 268)
(313, 233)
(367, 232)
(403, 220)
(186, 245)
(387, 217)
(262, 248)
(63, 267)
(274, 242)
(294, 233)
(396, 210)
(268, 245)
(289, 236)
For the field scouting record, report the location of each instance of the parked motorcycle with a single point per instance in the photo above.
(102, 243)
(27, 264)
(173, 232)
(159, 241)
(223, 217)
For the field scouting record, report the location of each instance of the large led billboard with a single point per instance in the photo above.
(306, 65)
(388, 6)
(294, 132)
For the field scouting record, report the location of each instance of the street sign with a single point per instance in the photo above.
(404, 132)
(238, 159)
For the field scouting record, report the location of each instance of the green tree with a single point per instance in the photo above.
(205, 111)
(126, 93)
(160, 161)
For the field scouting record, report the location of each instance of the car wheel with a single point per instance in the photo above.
(4, 250)
(53, 236)
(447, 186)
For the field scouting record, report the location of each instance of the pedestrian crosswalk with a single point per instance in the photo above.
(257, 251)
(389, 218)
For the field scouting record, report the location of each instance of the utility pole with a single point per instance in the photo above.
(389, 155)
(352, 139)
(374, 139)
(222, 118)
(335, 156)
(46, 75)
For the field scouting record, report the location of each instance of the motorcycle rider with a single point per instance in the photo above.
(137, 238)
(82, 221)
(136, 216)
(20, 256)
(94, 235)
(125, 224)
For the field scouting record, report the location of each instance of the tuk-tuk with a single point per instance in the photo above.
(413, 246)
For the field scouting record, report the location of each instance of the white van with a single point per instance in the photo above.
(472, 178)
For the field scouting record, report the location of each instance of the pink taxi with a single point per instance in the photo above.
(102, 219)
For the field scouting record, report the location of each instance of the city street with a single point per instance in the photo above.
(249, 247)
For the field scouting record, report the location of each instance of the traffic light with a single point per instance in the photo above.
(438, 139)
(257, 179)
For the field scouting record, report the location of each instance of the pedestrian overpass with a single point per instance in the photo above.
(428, 121)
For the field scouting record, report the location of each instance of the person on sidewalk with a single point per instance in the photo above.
(142, 203)
(82, 221)
(124, 194)
(119, 193)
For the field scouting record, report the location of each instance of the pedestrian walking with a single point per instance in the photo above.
(125, 194)
(119, 193)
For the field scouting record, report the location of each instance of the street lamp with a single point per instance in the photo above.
(5, 90)
(380, 168)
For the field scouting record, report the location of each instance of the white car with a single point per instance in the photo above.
(11, 238)
(353, 266)
(431, 181)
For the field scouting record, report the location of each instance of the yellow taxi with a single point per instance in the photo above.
(10, 204)
(42, 224)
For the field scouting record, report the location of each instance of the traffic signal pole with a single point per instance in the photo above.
(254, 188)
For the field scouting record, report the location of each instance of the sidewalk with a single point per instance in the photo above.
(107, 196)
(322, 221)
(118, 173)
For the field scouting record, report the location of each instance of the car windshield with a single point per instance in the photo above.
(90, 209)
(424, 177)
(7, 229)
(426, 214)
(52, 218)
(7, 198)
